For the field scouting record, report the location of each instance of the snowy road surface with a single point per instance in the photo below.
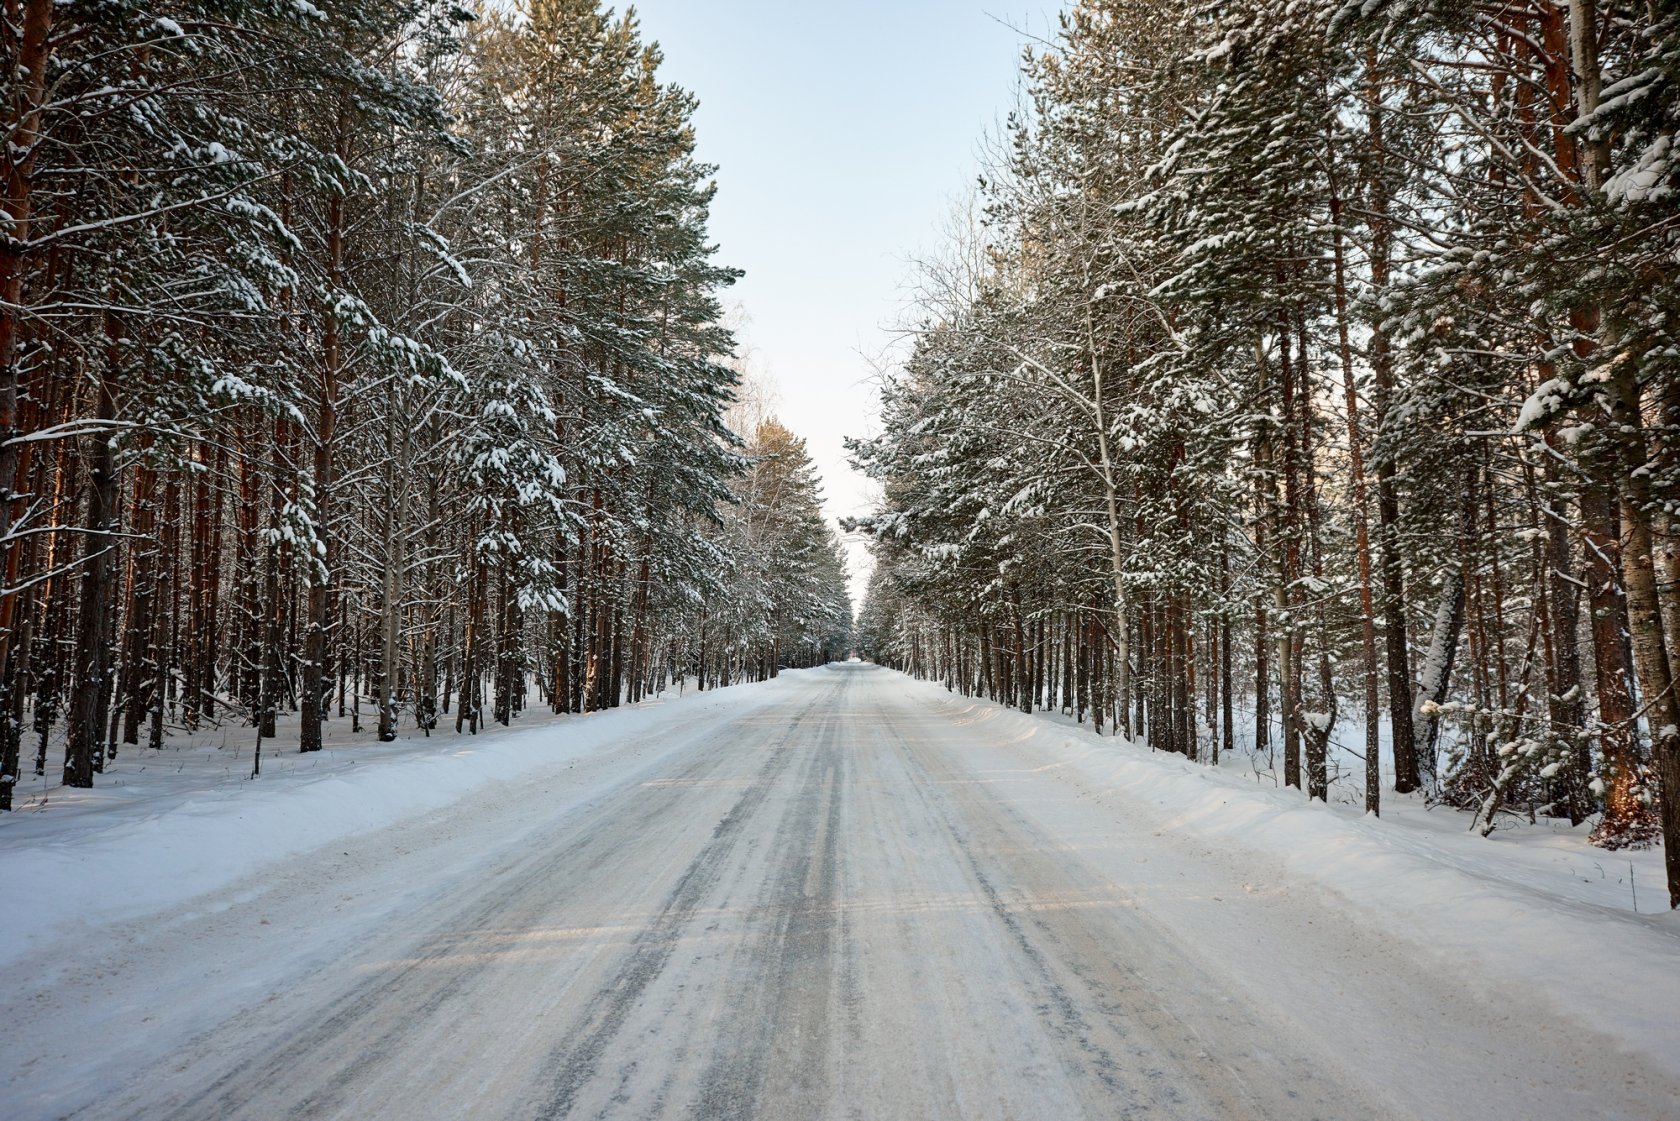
(845, 901)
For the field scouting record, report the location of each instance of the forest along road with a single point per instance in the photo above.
(845, 903)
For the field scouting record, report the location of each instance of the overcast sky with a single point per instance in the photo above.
(844, 133)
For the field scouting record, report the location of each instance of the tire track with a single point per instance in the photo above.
(577, 1062)
(346, 1041)
(1089, 955)
(785, 1038)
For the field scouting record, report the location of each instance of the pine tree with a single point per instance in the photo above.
(1345, 326)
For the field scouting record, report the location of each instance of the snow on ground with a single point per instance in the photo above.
(1533, 906)
(1547, 853)
(789, 898)
(161, 827)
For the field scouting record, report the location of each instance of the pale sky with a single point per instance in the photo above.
(845, 134)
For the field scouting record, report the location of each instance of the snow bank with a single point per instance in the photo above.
(65, 870)
(1490, 911)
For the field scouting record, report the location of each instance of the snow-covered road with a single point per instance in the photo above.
(847, 899)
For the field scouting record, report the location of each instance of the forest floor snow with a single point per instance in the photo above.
(838, 893)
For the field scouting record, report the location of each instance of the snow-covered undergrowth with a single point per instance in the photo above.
(1547, 852)
(166, 826)
(1533, 906)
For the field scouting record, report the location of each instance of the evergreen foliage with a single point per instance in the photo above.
(1317, 361)
(369, 354)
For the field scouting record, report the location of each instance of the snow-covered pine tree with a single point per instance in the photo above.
(358, 355)
(1380, 298)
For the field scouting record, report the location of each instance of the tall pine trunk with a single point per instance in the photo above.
(312, 688)
(92, 659)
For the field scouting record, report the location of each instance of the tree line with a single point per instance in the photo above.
(365, 361)
(1317, 363)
